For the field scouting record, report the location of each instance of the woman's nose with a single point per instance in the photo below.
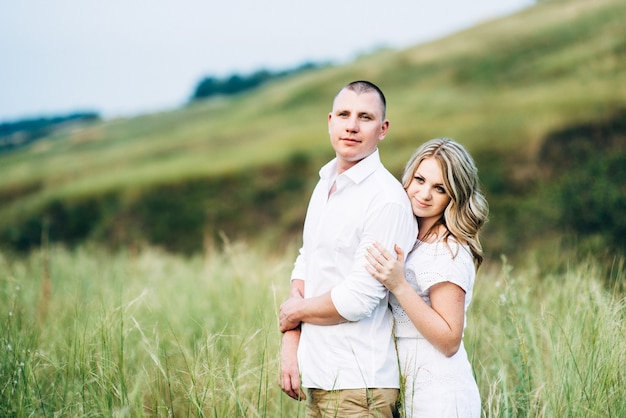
(424, 193)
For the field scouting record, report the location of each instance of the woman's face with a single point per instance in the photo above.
(427, 192)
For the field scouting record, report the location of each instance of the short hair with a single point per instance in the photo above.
(364, 86)
(468, 209)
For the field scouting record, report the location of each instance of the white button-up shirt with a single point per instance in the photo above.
(369, 205)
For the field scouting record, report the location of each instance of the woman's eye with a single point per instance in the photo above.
(440, 189)
(419, 179)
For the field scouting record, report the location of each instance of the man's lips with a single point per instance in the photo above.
(353, 140)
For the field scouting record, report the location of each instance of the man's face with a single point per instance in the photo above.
(356, 125)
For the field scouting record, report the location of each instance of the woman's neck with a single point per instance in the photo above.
(428, 230)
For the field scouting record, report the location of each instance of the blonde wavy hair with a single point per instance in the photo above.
(468, 209)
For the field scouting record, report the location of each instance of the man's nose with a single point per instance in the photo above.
(352, 125)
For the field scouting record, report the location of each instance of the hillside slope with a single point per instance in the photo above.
(245, 165)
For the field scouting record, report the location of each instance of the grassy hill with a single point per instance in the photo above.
(539, 98)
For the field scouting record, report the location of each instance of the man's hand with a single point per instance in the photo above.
(287, 317)
(289, 371)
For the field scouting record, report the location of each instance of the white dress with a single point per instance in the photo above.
(435, 385)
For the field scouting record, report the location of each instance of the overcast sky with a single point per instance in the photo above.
(126, 57)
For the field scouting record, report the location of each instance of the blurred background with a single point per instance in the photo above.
(122, 59)
(178, 124)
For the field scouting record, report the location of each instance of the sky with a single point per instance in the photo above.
(129, 57)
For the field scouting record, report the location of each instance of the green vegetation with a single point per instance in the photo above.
(24, 132)
(514, 91)
(213, 86)
(140, 332)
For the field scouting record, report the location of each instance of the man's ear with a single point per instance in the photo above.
(384, 129)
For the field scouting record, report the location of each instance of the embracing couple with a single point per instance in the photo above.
(374, 323)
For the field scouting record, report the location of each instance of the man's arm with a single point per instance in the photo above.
(318, 310)
(358, 295)
(292, 312)
(289, 370)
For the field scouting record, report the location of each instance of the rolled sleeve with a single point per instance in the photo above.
(357, 302)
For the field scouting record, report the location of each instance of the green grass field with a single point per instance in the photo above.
(143, 333)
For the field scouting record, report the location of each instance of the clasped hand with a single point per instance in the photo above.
(286, 316)
(384, 267)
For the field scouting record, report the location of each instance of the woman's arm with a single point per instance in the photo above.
(442, 323)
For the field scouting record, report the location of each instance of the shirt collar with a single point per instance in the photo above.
(358, 172)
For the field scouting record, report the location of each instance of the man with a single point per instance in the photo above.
(337, 328)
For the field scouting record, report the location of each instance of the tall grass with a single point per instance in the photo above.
(145, 333)
(549, 344)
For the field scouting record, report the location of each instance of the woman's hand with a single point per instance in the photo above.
(386, 268)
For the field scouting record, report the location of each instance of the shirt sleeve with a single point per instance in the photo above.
(360, 294)
(298, 271)
(462, 270)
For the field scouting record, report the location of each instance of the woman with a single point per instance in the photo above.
(432, 290)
